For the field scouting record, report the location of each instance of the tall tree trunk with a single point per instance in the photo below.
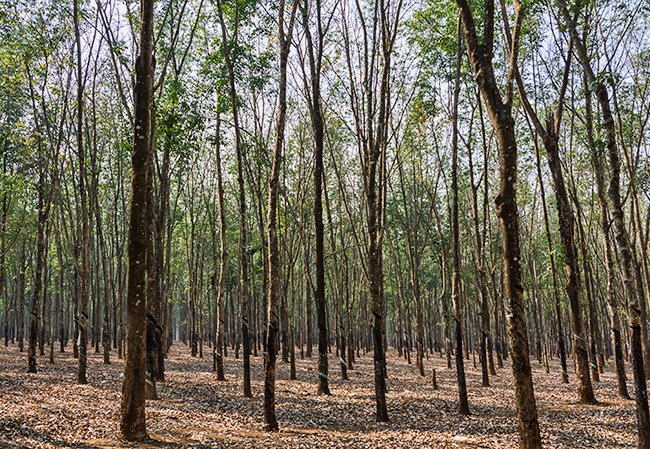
(341, 290)
(20, 300)
(500, 112)
(456, 296)
(132, 422)
(275, 273)
(550, 136)
(604, 222)
(567, 225)
(3, 247)
(485, 352)
(242, 243)
(309, 331)
(85, 217)
(40, 263)
(556, 289)
(625, 252)
(220, 310)
(161, 254)
(153, 331)
(318, 129)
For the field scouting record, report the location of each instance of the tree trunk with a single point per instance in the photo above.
(220, 310)
(567, 224)
(604, 220)
(242, 243)
(132, 422)
(85, 217)
(275, 273)
(456, 296)
(153, 331)
(500, 112)
(318, 130)
(556, 290)
(625, 252)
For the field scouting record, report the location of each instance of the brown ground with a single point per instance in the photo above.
(49, 410)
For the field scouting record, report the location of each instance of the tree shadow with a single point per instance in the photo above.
(11, 428)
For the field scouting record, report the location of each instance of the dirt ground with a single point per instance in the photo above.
(50, 410)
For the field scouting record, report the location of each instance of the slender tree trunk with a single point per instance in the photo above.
(220, 310)
(309, 330)
(625, 252)
(341, 290)
(153, 337)
(463, 404)
(3, 247)
(549, 135)
(556, 290)
(40, 265)
(604, 222)
(500, 112)
(132, 422)
(275, 273)
(567, 224)
(84, 266)
(20, 300)
(485, 352)
(318, 129)
(242, 243)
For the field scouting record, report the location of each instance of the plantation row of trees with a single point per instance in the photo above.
(467, 180)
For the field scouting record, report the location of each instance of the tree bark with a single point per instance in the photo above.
(316, 114)
(132, 422)
(500, 113)
(556, 291)
(625, 251)
(604, 222)
(220, 310)
(242, 242)
(84, 265)
(275, 273)
(456, 295)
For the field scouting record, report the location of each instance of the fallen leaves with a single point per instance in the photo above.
(49, 410)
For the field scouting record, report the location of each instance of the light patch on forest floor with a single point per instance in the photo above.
(50, 410)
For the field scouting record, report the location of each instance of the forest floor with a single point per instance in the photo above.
(50, 410)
